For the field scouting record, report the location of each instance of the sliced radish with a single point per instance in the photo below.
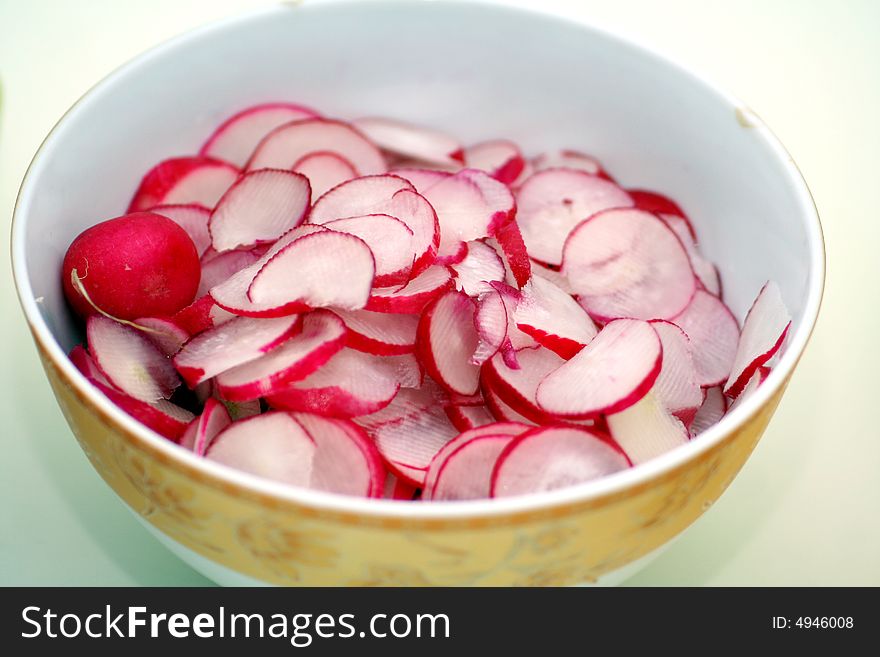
(410, 431)
(464, 417)
(646, 429)
(660, 205)
(500, 158)
(447, 339)
(201, 315)
(273, 445)
(415, 295)
(202, 431)
(237, 137)
(421, 178)
(350, 384)
(164, 333)
(406, 368)
(231, 294)
(469, 205)
(289, 143)
(87, 366)
(346, 461)
(751, 386)
(552, 202)
(714, 335)
(325, 269)
(129, 360)
(238, 410)
(260, 207)
(380, 333)
(610, 374)
(325, 170)
(567, 159)
(321, 337)
(713, 408)
(763, 333)
(354, 198)
(555, 320)
(231, 344)
(222, 267)
(399, 489)
(553, 275)
(628, 263)
(707, 274)
(502, 411)
(518, 387)
(193, 218)
(469, 474)
(548, 458)
(184, 180)
(163, 417)
(390, 240)
(677, 386)
(481, 265)
(491, 321)
(411, 140)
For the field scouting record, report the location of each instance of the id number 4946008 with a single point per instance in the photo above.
(813, 622)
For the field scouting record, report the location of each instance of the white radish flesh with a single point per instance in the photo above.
(646, 429)
(714, 335)
(711, 411)
(381, 334)
(481, 265)
(610, 374)
(411, 140)
(447, 340)
(193, 218)
(567, 159)
(677, 385)
(222, 267)
(202, 431)
(273, 446)
(518, 387)
(628, 263)
(325, 170)
(500, 158)
(390, 240)
(261, 206)
(415, 295)
(465, 417)
(549, 458)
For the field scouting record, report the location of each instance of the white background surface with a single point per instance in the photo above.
(806, 508)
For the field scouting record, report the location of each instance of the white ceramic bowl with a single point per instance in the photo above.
(478, 71)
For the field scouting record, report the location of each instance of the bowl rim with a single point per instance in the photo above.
(220, 476)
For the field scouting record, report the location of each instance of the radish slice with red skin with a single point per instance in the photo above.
(553, 275)
(551, 203)
(357, 197)
(287, 144)
(465, 418)
(325, 170)
(614, 371)
(236, 138)
(415, 295)
(491, 321)
(676, 385)
(326, 269)
(164, 333)
(706, 272)
(411, 140)
(163, 417)
(321, 337)
(658, 203)
(202, 431)
(193, 218)
(410, 431)
(472, 481)
(751, 386)
(231, 294)
(350, 384)
(129, 360)
(763, 333)
(548, 458)
(346, 461)
(273, 446)
(509, 239)
(501, 411)
(713, 408)
(406, 369)
(628, 263)
(201, 315)
(390, 240)
(86, 365)
(222, 267)
(238, 410)
(518, 339)
(555, 320)
(646, 429)
(184, 180)
(714, 335)
(517, 387)
(481, 265)
(231, 344)
(500, 158)
(380, 334)
(569, 159)
(259, 208)
(447, 340)
(398, 489)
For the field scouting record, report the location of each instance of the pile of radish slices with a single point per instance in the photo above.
(378, 310)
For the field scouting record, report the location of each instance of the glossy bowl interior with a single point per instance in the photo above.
(478, 71)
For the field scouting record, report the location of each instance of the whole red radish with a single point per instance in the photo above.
(137, 265)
